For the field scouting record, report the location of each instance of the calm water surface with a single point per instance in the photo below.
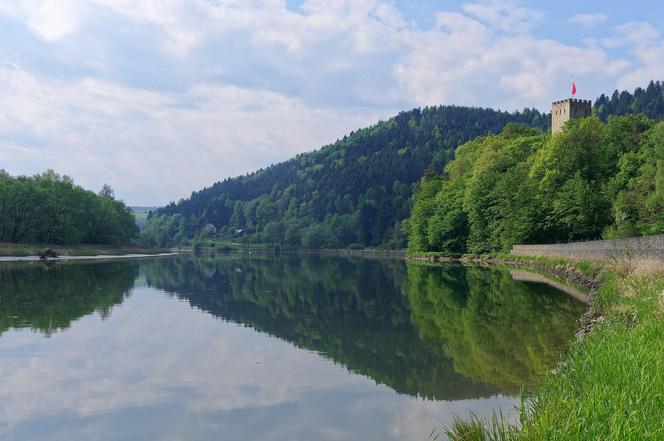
(239, 347)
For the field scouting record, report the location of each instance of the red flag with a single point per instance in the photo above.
(573, 88)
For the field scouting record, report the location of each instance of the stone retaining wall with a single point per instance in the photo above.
(640, 247)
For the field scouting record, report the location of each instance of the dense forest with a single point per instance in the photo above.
(593, 180)
(355, 191)
(50, 208)
(648, 101)
(359, 190)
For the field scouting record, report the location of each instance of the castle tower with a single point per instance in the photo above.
(563, 111)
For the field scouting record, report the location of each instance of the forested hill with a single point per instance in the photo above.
(359, 189)
(356, 190)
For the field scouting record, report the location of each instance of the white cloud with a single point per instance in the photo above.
(161, 98)
(587, 20)
(49, 20)
(147, 144)
(461, 63)
(504, 15)
(632, 34)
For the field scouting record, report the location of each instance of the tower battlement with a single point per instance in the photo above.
(564, 110)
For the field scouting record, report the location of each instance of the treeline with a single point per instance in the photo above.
(355, 191)
(50, 208)
(648, 101)
(593, 180)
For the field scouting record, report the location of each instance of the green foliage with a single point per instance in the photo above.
(592, 180)
(357, 190)
(648, 101)
(496, 428)
(49, 208)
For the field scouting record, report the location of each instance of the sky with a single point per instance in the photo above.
(161, 98)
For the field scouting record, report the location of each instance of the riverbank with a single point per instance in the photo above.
(19, 250)
(610, 384)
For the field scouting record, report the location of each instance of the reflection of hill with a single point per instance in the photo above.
(48, 299)
(350, 310)
(497, 330)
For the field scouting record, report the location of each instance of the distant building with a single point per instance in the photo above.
(564, 110)
(209, 230)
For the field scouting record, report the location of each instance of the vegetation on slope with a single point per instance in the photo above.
(356, 190)
(49, 208)
(592, 180)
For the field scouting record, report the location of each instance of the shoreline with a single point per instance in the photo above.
(583, 274)
(92, 257)
(600, 390)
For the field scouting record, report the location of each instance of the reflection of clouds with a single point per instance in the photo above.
(158, 369)
(176, 355)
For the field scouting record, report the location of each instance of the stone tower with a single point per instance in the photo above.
(563, 111)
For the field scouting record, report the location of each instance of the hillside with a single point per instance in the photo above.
(356, 190)
(591, 181)
(359, 189)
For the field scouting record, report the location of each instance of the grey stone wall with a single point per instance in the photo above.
(562, 111)
(639, 247)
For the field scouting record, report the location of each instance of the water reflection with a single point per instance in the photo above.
(401, 328)
(48, 298)
(447, 339)
(350, 310)
(499, 330)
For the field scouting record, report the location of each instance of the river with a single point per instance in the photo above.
(264, 347)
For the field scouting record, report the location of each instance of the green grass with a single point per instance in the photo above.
(611, 386)
(23, 250)
(476, 429)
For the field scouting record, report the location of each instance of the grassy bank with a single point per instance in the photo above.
(610, 386)
(22, 250)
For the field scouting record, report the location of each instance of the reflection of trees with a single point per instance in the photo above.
(496, 330)
(350, 310)
(48, 299)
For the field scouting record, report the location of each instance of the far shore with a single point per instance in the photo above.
(27, 252)
(93, 257)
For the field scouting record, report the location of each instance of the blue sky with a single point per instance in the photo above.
(159, 98)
